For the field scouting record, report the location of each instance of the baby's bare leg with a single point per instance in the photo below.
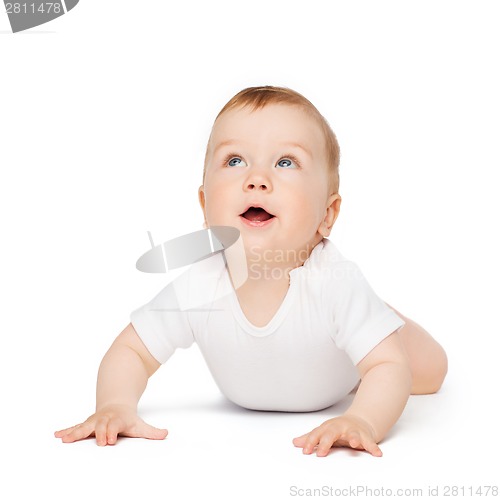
(428, 361)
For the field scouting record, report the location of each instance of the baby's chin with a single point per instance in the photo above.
(277, 250)
(263, 241)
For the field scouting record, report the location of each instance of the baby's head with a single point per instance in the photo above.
(271, 170)
(259, 97)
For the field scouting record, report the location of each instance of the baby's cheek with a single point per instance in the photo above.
(214, 215)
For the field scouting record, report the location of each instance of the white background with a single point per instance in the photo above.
(104, 116)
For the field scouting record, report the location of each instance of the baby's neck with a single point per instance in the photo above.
(268, 281)
(275, 263)
(260, 297)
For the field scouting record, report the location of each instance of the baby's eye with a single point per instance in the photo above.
(286, 163)
(236, 162)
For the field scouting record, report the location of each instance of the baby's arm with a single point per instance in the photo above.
(122, 378)
(380, 400)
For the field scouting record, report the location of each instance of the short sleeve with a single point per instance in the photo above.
(361, 320)
(162, 326)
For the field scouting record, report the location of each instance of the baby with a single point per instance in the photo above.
(305, 328)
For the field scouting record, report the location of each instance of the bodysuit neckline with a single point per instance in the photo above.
(274, 322)
(281, 313)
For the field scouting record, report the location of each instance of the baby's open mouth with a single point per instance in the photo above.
(256, 214)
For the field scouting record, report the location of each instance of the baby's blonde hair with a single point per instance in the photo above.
(259, 97)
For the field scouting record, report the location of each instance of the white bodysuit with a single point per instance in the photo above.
(304, 359)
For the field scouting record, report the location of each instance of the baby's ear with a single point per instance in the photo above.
(331, 214)
(201, 199)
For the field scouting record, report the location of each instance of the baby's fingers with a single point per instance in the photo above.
(308, 441)
(300, 441)
(147, 431)
(361, 441)
(326, 442)
(75, 433)
(63, 432)
(106, 430)
(370, 446)
(324, 437)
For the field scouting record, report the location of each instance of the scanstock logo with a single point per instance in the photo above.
(31, 13)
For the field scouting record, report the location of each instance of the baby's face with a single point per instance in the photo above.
(266, 174)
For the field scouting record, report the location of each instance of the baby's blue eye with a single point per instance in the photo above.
(236, 162)
(286, 163)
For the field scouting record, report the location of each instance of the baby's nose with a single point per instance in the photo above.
(258, 181)
(262, 186)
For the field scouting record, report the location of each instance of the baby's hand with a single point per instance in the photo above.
(346, 430)
(107, 423)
